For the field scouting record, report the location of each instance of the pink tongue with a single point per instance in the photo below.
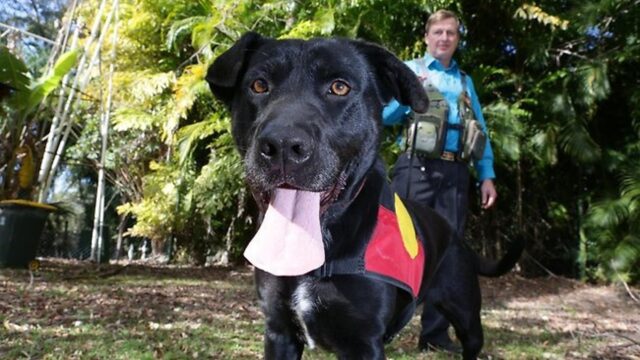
(289, 241)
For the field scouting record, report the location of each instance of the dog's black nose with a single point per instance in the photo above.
(285, 146)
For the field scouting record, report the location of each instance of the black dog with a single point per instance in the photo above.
(338, 262)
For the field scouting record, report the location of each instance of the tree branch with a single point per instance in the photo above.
(626, 286)
(49, 41)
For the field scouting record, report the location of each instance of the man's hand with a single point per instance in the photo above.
(489, 194)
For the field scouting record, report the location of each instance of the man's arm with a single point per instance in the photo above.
(484, 166)
(394, 113)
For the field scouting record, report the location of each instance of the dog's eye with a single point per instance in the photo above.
(259, 86)
(340, 88)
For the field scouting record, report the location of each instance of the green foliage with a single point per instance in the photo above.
(323, 23)
(20, 128)
(12, 70)
(104, 316)
(557, 81)
(533, 12)
(14, 73)
(219, 185)
(612, 227)
(156, 213)
(44, 86)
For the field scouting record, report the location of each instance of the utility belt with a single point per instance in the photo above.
(426, 138)
(446, 156)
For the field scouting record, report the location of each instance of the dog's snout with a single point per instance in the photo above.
(285, 146)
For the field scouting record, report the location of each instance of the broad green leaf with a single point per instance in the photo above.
(14, 73)
(12, 70)
(47, 84)
(65, 63)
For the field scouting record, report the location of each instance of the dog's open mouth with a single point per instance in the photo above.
(289, 241)
(327, 197)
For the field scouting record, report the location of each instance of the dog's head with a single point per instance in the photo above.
(307, 114)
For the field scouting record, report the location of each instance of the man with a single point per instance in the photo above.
(442, 182)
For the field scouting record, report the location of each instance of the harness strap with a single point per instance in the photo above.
(341, 267)
(464, 103)
(433, 93)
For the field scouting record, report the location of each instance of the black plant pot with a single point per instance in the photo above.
(21, 225)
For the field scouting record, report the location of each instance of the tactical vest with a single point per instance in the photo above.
(427, 132)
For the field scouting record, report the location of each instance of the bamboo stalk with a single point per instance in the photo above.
(61, 43)
(97, 236)
(62, 37)
(46, 169)
(86, 76)
(13, 28)
(54, 130)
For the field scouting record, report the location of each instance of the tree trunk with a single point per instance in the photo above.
(121, 228)
(223, 258)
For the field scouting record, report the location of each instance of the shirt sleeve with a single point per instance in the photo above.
(483, 166)
(394, 113)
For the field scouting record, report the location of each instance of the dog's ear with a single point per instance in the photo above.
(227, 69)
(396, 80)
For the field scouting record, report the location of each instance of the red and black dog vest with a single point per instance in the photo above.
(394, 254)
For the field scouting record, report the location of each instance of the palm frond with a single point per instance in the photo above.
(608, 213)
(577, 142)
(544, 143)
(188, 137)
(626, 254)
(631, 182)
(506, 124)
(594, 83)
(149, 85)
(182, 28)
(126, 119)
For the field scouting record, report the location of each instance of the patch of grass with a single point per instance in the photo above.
(83, 312)
(546, 344)
(134, 314)
(215, 338)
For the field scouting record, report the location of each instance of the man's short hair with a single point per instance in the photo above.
(439, 16)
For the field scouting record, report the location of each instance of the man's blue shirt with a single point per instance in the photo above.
(448, 82)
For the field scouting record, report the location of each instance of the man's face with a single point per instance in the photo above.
(442, 39)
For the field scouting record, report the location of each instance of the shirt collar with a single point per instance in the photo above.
(435, 64)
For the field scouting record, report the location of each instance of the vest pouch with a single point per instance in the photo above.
(425, 135)
(474, 141)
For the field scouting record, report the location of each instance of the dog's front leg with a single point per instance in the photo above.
(365, 351)
(281, 343)
(282, 334)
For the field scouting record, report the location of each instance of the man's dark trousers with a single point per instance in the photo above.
(444, 186)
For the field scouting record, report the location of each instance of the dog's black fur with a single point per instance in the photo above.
(297, 127)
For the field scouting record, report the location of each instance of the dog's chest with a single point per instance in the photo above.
(305, 305)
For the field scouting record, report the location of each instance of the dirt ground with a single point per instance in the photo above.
(561, 305)
(579, 321)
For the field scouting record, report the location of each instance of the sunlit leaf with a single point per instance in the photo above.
(50, 82)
